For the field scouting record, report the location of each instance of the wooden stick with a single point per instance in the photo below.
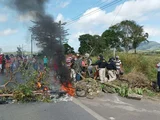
(6, 95)
(81, 76)
(111, 85)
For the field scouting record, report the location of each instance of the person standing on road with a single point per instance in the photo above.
(12, 62)
(35, 63)
(78, 67)
(3, 64)
(45, 61)
(158, 75)
(8, 65)
(1, 59)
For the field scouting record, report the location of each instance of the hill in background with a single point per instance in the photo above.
(151, 46)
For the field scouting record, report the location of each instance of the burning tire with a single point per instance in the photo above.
(81, 92)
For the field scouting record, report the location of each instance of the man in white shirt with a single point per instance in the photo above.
(118, 66)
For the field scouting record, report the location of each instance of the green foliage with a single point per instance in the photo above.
(68, 49)
(139, 63)
(149, 92)
(138, 91)
(23, 93)
(123, 91)
(92, 44)
(111, 38)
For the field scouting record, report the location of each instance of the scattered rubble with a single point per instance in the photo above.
(88, 87)
(136, 79)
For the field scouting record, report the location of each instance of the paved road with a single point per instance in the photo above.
(112, 107)
(44, 111)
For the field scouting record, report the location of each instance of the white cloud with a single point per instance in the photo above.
(3, 18)
(73, 40)
(59, 17)
(64, 4)
(7, 32)
(152, 31)
(133, 9)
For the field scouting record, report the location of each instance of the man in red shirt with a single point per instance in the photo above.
(1, 59)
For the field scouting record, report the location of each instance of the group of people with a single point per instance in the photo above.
(9, 63)
(82, 66)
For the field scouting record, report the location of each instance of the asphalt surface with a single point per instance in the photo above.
(44, 111)
(113, 107)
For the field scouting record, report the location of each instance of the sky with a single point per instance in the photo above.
(82, 16)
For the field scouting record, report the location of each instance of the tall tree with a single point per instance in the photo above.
(125, 28)
(111, 38)
(138, 36)
(90, 44)
(68, 49)
(128, 33)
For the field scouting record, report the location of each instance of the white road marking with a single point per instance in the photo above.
(94, 114)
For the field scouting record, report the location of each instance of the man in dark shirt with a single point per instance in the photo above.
(111, 67)
(101, 63)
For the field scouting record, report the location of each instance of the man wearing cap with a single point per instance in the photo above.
(77, 66)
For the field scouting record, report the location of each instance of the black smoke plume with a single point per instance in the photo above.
(45, 31)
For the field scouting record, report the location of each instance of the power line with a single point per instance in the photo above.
(95, 11)
(118, 12)
(99, 2)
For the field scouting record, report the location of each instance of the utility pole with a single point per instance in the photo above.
(60, 32)
(22, 50)
(31, 44)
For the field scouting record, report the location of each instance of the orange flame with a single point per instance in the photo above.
(68, 88)
(39, 85)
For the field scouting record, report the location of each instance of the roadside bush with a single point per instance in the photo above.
(140, 63)
(137, 62)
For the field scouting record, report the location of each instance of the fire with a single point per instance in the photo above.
(39, 85)
(68, 88)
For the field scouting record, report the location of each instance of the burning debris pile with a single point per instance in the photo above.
(35, 87)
